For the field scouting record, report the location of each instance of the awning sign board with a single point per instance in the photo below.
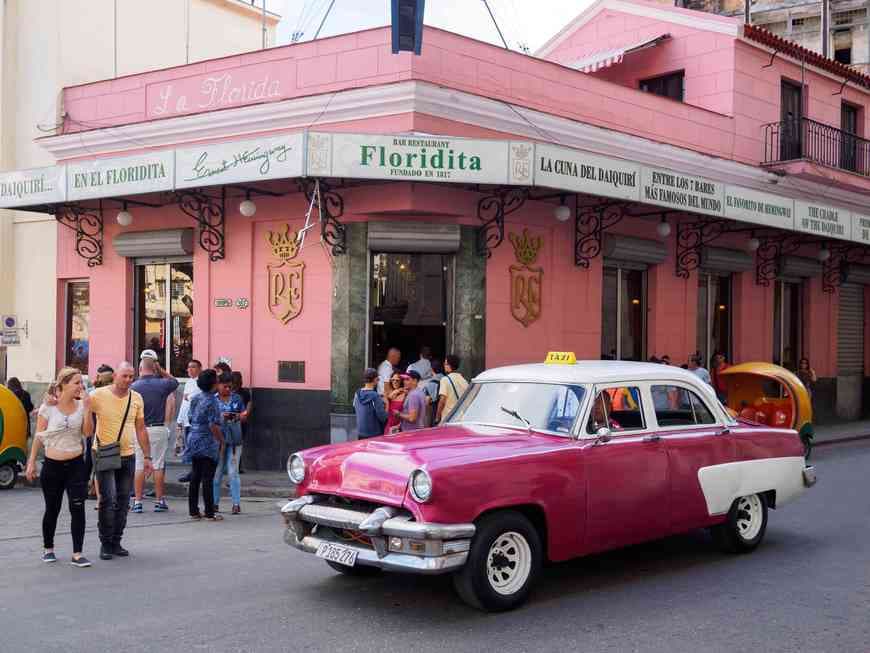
(33, 187)
(133, 175)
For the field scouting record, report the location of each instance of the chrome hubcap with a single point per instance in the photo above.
(508, 563)
(6, 475)
(749, 516)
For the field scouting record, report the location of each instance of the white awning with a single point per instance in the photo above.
(604, 58)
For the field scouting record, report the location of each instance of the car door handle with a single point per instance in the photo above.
(652, 437)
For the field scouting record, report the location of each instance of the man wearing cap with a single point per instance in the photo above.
(156, 387)
(368, 405)
(413, 413)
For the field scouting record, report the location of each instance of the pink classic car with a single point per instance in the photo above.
(541, 463)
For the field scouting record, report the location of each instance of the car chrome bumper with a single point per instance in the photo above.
(398, 543)
(809, 476)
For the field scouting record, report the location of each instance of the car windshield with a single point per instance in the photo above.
(537, 406)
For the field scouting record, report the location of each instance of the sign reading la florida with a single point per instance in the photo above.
(432, 158)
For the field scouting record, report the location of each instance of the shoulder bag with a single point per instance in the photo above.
(108, 457)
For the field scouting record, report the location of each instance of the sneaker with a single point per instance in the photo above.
(81, 561)
(137, 507)
(120, 551)
(184, 479)
(237, 510)
(49, 557)
(106, 552)
(217, 508)
(161, 506)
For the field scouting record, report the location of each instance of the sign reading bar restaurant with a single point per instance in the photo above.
(819, 220)
(420, 158)
(280, 157)
(681, 191)
(134, 175)
(759, 208)
(36, 186)
(566, 169)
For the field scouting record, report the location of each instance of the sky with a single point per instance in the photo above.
(523, 22)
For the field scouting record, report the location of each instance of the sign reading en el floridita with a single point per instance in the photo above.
(526, 280)
(285, 275)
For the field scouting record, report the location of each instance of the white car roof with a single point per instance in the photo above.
(594, 371)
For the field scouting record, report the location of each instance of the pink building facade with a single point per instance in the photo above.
(656, 181)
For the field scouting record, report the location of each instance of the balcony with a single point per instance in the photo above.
(808, 140)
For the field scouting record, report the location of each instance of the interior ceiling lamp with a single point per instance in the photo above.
(124, 217)
(663, 228)
(247, 207)
(407, 22)
(562, 212)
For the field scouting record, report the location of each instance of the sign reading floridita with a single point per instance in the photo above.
(419, 158)
(565, 169)
(133, 175)
(233, 162)
(30, 187)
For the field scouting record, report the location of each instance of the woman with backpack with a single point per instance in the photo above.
(369, 407)
(233, 413)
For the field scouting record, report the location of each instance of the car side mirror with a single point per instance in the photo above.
(603, 435)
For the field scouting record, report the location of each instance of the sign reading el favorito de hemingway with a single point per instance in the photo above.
(134, 175)
(821, 220)
(36, 186)
(419, 158)
(759, 208)
(240, 161)
(681, 191)
(566, 169)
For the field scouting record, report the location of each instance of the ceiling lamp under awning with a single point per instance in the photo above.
(606, 58)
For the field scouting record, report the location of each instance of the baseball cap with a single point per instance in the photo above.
(370, 374)
(412, 374)
(149, 353)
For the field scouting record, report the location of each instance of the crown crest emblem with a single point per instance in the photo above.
(284, 244)
(526, 247)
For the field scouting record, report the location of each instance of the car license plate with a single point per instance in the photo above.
(343, 555)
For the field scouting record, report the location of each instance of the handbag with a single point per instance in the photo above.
(109, 455)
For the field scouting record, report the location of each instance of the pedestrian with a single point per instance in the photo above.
(104, 378)
(665, 360)
(694, 366)
(232, 413)
(412, 416)
(423, 366)
(120, 421)
(203, 444)
(394, 401)
(452, 386)
(222, 367)
(807, 375)
(191, 389)
(431, 387)
(156, 386)
(368, 405)
(386, 369)
(719, 365)
(59, 431)
(14, 385)
(248, 401)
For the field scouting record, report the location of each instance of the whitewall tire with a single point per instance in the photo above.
(745, 526)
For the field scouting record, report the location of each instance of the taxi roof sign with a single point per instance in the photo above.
(561, 358)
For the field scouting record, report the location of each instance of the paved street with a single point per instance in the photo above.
(234, 586)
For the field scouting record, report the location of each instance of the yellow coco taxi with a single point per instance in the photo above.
(771, 395)
(13, 438)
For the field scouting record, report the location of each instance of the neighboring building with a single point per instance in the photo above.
(51, 44)
(651, 183)
(800, 21)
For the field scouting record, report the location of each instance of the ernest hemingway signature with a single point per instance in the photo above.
(203, 168)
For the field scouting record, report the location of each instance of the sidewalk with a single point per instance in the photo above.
(842, 432)
(254, 483)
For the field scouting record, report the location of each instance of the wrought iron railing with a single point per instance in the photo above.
(807, 139)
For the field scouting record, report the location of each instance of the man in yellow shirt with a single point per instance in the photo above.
(451, 388)
(109, 405)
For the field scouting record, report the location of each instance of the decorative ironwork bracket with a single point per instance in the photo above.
(590, 222)
(88, 226)
(770, 253)
(692, 237)
(832, 269)
(331, 207)
(491, 210)
(210, 214)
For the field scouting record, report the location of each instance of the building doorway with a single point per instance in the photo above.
(623, 314)
(410, 300)
(164, 313)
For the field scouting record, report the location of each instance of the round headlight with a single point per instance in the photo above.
(296, 468)
(421, 485)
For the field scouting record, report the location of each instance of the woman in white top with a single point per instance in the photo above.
(59, 430)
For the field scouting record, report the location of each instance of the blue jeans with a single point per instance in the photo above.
(229, 464)
(114, 495)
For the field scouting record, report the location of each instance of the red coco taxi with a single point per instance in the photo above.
(544, 462)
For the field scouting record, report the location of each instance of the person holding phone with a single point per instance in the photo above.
(232, 411)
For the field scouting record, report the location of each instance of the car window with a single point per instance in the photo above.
(676, 406)
(545, 406)
(618, 409)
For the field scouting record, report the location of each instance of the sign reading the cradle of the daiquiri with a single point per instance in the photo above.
(420, 158)
(822, 220)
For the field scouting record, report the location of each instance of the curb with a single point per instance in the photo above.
(840, 440)
(179, 490)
